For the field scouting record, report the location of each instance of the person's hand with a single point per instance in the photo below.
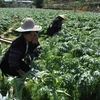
(28, 59)
(35, 39)
(21, 72)
(50, 25)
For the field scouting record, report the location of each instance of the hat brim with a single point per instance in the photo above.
(62, 16)
(36, 28)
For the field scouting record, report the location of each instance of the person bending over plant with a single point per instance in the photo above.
(55, 25)
(16, 60)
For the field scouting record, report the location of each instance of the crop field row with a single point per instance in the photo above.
(68, 67)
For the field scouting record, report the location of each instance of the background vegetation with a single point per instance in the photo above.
(83, 5)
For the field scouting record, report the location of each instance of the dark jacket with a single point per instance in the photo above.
(56, 26)
(13, 58)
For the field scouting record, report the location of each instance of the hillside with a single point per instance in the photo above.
(90, 7)
(82, 6)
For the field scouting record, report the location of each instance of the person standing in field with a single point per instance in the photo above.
(16, 60)
(55, 25)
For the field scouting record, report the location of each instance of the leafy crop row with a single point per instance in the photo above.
(68, 67)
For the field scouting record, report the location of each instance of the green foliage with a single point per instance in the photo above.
(2, 3)
(69, 63)
(38, 3)
(3, 86)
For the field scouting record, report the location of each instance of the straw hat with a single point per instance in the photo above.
(27, 25)
(63, 16)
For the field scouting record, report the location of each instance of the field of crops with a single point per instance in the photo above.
(68, 67)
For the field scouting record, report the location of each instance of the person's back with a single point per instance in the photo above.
(55, 25)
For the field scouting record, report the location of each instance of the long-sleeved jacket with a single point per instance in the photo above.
(17, 52)
(55, 26)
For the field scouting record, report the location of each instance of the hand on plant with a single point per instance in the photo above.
(28, 59)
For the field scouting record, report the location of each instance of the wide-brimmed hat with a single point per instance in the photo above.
(28, 25)
(63, 16)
